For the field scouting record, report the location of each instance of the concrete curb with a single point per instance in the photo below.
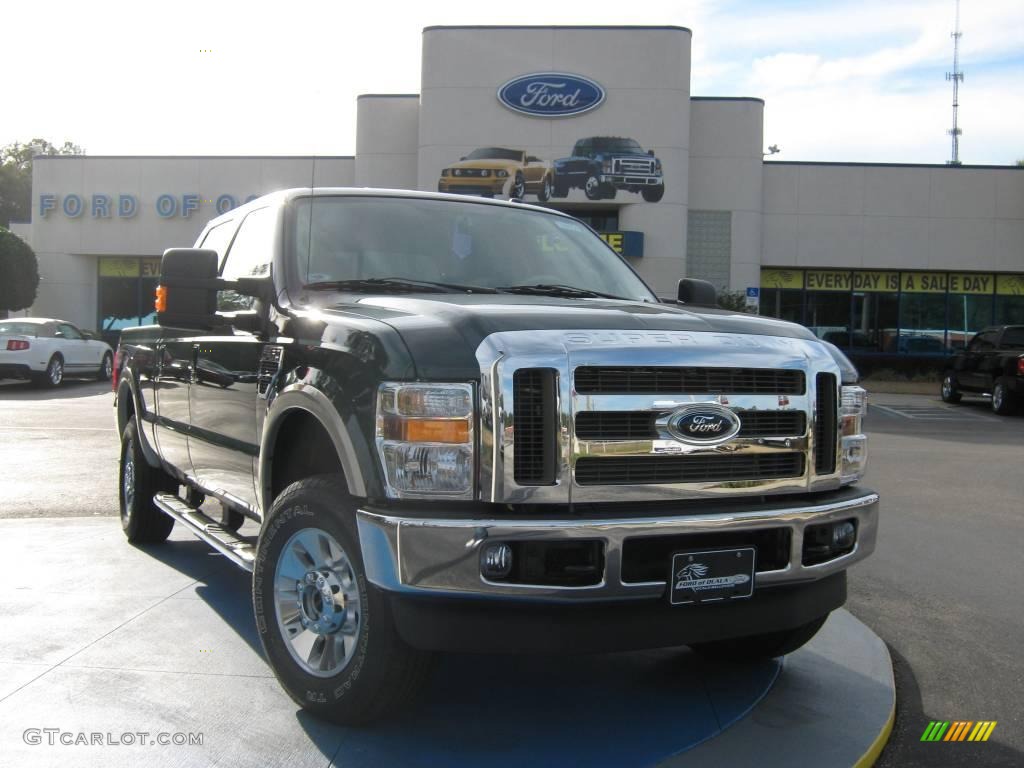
(833, 705)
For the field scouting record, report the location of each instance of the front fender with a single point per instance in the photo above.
(347, 435)
(129, 405)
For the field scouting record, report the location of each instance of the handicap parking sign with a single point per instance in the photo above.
(753, 293)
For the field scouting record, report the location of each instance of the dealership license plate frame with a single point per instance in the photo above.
(743, 557)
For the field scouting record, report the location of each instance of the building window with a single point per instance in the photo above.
(600, 219)
(709, 246)
(877, 311)
(126, 288)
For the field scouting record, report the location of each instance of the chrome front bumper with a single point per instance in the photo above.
(441, 557)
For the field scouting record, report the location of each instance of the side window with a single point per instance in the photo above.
(219, 238)
(983, 342)
(68, 331)
(251, 253)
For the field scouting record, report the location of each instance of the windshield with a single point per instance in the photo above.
(495, 153)
(618, 145)
(359, 238)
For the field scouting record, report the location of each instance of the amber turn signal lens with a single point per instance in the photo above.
(425, 430)
(161, 298)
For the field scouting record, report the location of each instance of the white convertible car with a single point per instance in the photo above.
(46, 350)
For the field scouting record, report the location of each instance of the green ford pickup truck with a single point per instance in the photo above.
(428, 422)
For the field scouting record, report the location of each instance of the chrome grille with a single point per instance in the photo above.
(826, 417)
(633, 165)
(608, 435)
(688, 381)
(642, 425)
(701, 468)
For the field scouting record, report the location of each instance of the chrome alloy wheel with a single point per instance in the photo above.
(108, 366)
(998, 396)
(55, 371)
(947, 386)
(317, 603)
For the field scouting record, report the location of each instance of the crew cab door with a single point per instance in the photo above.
(975, 375)
(223, 398)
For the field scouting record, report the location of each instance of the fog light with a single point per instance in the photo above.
(496, 561)
(843, 536)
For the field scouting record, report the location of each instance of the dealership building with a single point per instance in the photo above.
(884, 258)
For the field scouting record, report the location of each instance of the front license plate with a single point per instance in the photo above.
(712, 575)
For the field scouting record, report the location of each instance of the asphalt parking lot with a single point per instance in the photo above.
(941, 589)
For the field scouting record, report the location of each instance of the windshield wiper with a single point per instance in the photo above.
(554, 289)
(403, 284)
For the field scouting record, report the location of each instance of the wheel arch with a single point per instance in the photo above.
(128, 407)
(293, 411)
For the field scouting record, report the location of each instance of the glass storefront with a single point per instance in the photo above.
(126, 287)
(889, 312)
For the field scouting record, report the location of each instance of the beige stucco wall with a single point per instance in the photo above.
(726, 168)
(909, 217)
(387, 135)
(647, 97)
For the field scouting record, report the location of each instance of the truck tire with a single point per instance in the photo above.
(559, 187)
(517, 188)
(53, 376)
(950, 394)
(138, 482)
(653, 194)
(760, 647)
(1003, 401)
(544, 193)
(106, 368)
(342, 660)
(593, 188)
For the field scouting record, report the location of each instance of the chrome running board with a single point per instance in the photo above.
(239, 551)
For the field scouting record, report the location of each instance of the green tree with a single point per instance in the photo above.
(19, 273)
(16, 175)
(735, 300)
(1020, 163)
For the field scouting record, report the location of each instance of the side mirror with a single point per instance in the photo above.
(533, 159)
(650, 153)
(187, 294)
(698, 293)
(89, 335)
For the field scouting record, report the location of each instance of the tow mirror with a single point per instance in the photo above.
(698, 293)
(187, 294)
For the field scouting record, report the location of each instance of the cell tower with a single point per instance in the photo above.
(957, 77)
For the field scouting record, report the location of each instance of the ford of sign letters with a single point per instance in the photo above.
(551, 94)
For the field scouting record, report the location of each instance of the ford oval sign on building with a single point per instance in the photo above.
(551, 94)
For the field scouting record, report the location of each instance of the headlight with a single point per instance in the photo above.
(855, 442)
(501, 174)
(485, 172)
(425, 439)
(606, 166)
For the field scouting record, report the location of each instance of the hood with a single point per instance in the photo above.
(492, 164)
(443, 331)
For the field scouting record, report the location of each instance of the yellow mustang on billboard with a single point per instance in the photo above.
(491, 171)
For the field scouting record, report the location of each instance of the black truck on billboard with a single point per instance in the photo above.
(602, 165)
(419, 431)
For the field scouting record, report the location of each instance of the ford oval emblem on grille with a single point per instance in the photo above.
(551, 94)
(703, 424)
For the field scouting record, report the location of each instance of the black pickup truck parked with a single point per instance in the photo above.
(992, 364)
(425, 432)
(601, 165)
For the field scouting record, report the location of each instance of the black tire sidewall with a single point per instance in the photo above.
(142, 522)
(103, 375)
(653, 194)
(353, 694)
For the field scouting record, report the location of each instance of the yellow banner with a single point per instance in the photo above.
(1010, 285)
(828, 279)
(924, 282)
(151, 267)
(782, 278)
(876, 282)
(112, 266)
(967, 282)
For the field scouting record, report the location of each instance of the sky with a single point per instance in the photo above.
(842, 81)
